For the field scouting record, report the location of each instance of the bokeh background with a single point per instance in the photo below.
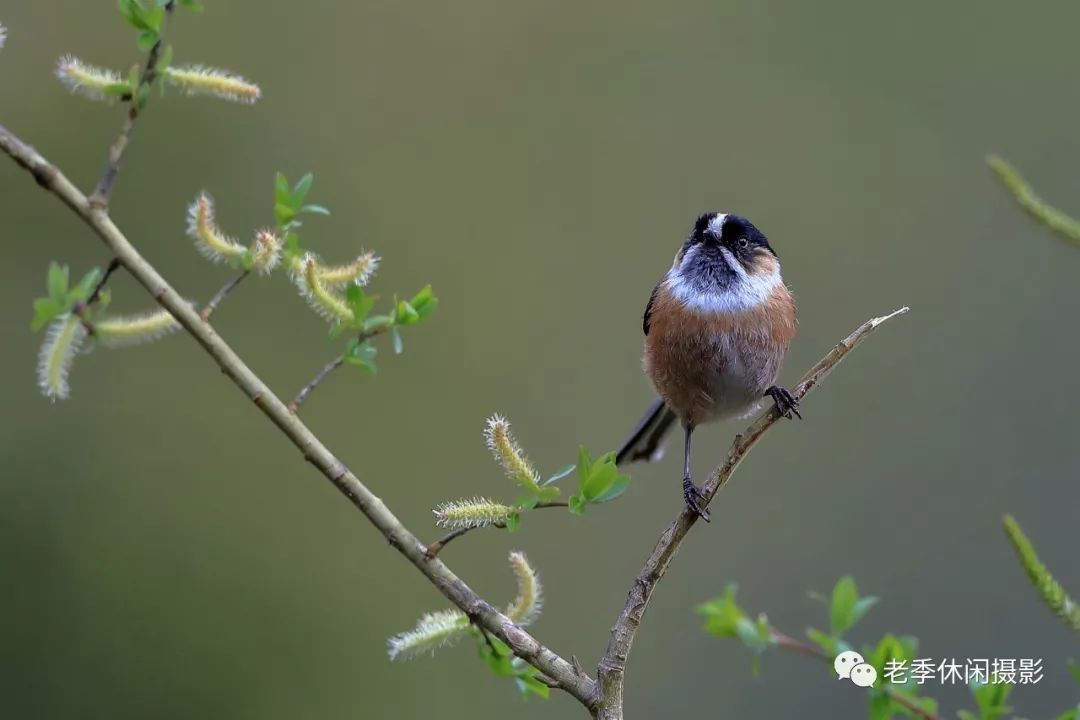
(164, 552)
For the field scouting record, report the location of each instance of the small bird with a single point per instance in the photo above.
(717, 328)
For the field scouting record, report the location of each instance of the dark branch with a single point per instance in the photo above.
(221, 294)
(100, 196)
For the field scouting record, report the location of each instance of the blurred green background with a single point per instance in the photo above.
(165, 553)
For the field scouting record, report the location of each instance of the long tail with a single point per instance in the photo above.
(647, 440)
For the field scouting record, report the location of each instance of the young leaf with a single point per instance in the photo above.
(45, 311)
(424, 302)
(314, 209)
(722, 615)
(361, 354)
(82, 291)
(395, 338)
(57, 281)
(559, 475)
(842, 610)
(282, 196)
(359, 302)
(301, 190)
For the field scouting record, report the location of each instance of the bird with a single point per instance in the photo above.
(717, 328)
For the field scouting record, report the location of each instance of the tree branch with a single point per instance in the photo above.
(450, 585)
(612, 667)
(315, 381)
(105, 185)
(221, 294)
(804, 648)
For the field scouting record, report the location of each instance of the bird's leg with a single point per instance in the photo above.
(786, 404)
(691, 495)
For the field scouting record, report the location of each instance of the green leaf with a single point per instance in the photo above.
(547, 494)
(57, 281)
(377, 322)
(146, 39)
(361, 354)
(165, 59)
(82, 291)
(584, 465)
(405, 314)
(395, 338)
(1074, 670)
(991, 699)
(842, 610)
(301, 190)
(1069, 714)
(614, 490)
(559, 475)
(359, 302)
(826, 642)
(723, 615)
(193, 5)
(282, 196)
(577, 504)
(424, 302)
(513, 522)
(283, 213)
(117, 89)
(314, 210)
(530, 685)
(45, 311)
(881, 706)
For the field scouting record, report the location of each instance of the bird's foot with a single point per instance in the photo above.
(786, 404)
(695, 501)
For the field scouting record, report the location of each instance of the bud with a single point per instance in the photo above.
(509, 454)
(265, 251)
(63, 340)
(358, 271)
(530, 598)
(86, 80)
(214, 245)
(127, 330)
(323, 301)
(200, 80)
(474, 513)
(435, 630)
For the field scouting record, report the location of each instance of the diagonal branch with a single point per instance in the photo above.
(397, 535)
(105, 185)
(611, 671)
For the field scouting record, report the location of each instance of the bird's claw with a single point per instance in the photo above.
(786, 403)
(694, 499)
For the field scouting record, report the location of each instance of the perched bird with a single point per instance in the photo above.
(717, 327)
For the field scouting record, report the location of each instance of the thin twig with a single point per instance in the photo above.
(327, 369)
(521, 643)
(436, 547)
(109, 270)
(319, 377)
(221, 294)
(805, 648)
(105, 185)
(81, 308)
(612, 667)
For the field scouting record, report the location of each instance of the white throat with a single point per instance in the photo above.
(746, 292)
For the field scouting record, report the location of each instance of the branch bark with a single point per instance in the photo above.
(399, 537)
(612, 667)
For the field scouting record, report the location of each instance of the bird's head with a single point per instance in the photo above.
(726, 264)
